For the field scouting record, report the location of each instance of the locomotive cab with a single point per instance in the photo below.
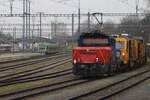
(94, 54)
(122, 49)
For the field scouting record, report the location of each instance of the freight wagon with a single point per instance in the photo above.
(132, 50)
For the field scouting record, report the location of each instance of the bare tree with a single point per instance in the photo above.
(129, 24)
(109, 27)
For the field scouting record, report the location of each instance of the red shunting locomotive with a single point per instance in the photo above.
(94, 55)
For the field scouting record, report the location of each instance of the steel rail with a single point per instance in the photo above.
(102, 91)
(33, 71)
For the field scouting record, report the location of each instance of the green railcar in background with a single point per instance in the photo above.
(50, 48)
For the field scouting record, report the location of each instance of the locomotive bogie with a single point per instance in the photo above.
(133, 52)
(91, 69)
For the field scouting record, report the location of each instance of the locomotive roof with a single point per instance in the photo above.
(95, 35)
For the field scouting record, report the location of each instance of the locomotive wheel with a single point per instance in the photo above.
(85, 75)
(118, 67)
(145, 60)
(110, 71)
(131, 64)
(74, 70)
(114, 68)
(46, 53)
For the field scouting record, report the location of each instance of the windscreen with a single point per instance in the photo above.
(95, 42)
(120, 45)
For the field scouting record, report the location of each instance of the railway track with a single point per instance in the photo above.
(28, 62)
(101, 93)
(36, 78)
(30, 66)
(42, 89)
(10, 81)
(26, 59)
(115, 88)
(9, 77)
(16, 60)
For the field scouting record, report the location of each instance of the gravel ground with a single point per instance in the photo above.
(140, 92)
(28, 85)
(16, 56)
(28, 67)
(67, 93)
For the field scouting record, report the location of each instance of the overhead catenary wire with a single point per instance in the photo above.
(7, 3)
(66, 3)
(136, 7)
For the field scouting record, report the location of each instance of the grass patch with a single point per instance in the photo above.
(30, 67)
(21, 86)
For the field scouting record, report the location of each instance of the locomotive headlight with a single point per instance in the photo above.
(97, 59)
(74, 61)
(123, 54)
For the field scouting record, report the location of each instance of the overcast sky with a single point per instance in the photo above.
(70, 6)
